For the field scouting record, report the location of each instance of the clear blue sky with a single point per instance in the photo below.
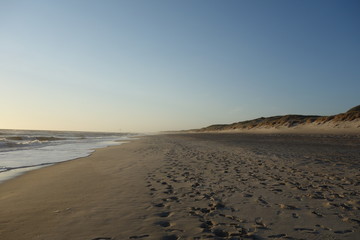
(168, 65)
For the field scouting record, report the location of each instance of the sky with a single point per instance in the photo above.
(143, 66)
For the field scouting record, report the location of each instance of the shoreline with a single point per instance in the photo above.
(13, 173)
(48, 197)
(18, 171)
(186, 186)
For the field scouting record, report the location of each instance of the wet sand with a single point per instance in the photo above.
(194, 186)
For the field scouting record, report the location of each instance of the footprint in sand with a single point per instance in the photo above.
(343, 231)
(308, 230)
(220, 233)
(170, 237)
(139, 237)
(288, 207)
(206, 226)
(323, 227)
(281, 235)
(317, 214)
(264, 203)
(159, 205)
(163, 223)
(164, 214)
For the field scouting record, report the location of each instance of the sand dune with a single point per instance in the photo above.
(349, 121)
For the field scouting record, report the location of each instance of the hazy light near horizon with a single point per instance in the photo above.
(165, 65)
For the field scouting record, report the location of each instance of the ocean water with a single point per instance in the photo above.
(25, 150)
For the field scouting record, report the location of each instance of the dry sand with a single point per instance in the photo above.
(193, 186)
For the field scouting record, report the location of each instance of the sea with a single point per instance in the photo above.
(25, 150)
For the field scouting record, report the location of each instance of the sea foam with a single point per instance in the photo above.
(25, 150)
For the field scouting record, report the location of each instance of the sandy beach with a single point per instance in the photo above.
(193, 186)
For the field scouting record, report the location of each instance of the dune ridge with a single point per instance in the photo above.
(347, 120)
